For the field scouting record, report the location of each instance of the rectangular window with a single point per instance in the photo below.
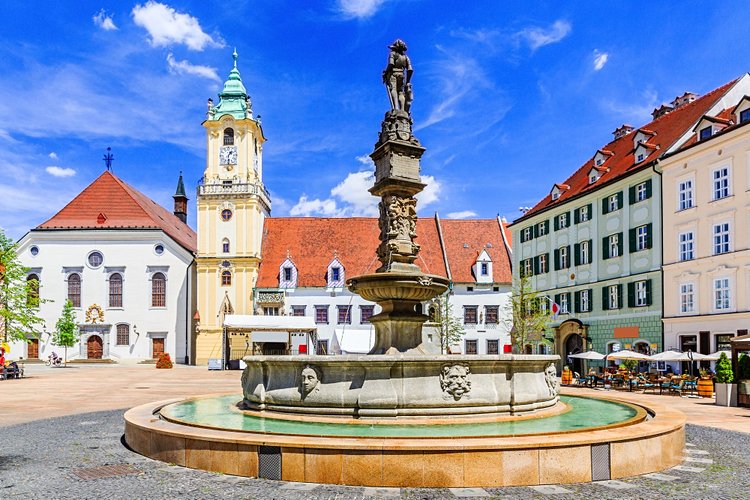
(345, 315)
(562, 221)
(685, 190)
(542, 304)
(484, 269)
(321, 314)
(687, 246)
(335, 274)
(613, 203)
(123, 335)
(640, 158)
(493, 347)
(614, 245)
(543, 264)
(584, 250)
(641, 294)
(563, 303)
(321, 347)
(614, 296)
(526, 234)
(527, 267)
(287, 274)
(723, 342)
(542, 228)
(583, 214)
(270, 311)
(641, 242)
(564, 257)
(641, 192)
(745, 115)
(705, 133)
(365, 313)
(470, 315)
(298, 310)
(491, 315)
(721, 238)
(687, 298)
(584, 300)
(721, 294)
(721, 183)
(471, 346)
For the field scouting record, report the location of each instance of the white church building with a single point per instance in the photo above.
(127, 266)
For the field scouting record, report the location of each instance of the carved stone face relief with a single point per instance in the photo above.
(309, 381)
(454, 380)
(550, 376)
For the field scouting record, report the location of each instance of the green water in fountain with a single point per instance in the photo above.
(221, 413)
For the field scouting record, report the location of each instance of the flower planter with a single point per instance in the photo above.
(705, 388)
(726, 394)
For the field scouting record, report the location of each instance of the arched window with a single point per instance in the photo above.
(74, 289)
(225, 246)
(123, 334)
(32, 291)
(228, 137)
(158, 290)
(528, 349)
(115, 290)
(434, 314)
(226, 278)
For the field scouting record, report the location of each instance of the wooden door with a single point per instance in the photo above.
(94, 347)
(158, 347)
(33, 349)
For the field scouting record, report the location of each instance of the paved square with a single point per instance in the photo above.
(661, 477)
(616, 485)
(550, 489)
(382, 492)
(299, 486)
(469, 492)
(699, 460)
(686, 468)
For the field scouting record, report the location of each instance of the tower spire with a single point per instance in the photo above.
(180, 200)
(108, 159)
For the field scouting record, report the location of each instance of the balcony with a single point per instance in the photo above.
(220, 188)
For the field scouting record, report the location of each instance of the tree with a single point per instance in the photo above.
(19, 297)
(527, 317)
(66, 330)
(450, 330)
(724, 373)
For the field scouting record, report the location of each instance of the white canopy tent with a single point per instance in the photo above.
(352, 340)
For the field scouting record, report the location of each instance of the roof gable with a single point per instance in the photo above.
(110, 203)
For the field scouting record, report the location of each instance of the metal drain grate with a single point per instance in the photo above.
(269, 462)
(91, 473)
(600, 468)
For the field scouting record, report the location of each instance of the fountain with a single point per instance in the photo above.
(405, 415)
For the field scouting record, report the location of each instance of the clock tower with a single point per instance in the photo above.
(232, 205)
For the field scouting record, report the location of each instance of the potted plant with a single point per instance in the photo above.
(743, 380)
(726, 392)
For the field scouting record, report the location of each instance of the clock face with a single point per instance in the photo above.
(228, 155)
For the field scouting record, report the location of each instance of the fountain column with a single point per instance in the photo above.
(398, 285)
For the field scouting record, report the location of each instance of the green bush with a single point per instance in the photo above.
(743, 367)
(724, 373)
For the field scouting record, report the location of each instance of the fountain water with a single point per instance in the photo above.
(405, 415)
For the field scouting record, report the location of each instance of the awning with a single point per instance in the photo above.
(268, 323)
(269, 336)
(354, 340)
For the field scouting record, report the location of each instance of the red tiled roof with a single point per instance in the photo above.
(110, 203)
(311, 243)
(666, 129)
(464, 241)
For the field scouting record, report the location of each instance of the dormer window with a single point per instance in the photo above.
(705, 133)
(482, 268)
(555, 195)
(593, 178)
(336, 274)
(557, 190)
(287, 274)
(639, 158)
(599, 161)
(228, 137)
(745, 115)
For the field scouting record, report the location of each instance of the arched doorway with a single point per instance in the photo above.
(574, 345)
(94, 347)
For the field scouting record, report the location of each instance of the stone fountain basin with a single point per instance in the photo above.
(401, 385)
(378, 287)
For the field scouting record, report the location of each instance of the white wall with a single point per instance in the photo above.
(482, 296)
(132, 250)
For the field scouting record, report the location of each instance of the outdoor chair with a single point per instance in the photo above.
(581, 381)
(677, 387)
(691, 385)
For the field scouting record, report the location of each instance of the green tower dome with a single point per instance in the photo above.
(233, 98)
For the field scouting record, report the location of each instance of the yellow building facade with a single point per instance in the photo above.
(232, 205)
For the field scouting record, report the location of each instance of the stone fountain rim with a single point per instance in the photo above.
(403, 358)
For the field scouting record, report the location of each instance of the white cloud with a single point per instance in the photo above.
(53, 155)
(104, 21)
(364, 160)
(463, 214)
(600, 59)
(630, 110)
(359, 9)
(350, 198)
(539, 37)
(60, 172)
(167, 26)
(182, 67)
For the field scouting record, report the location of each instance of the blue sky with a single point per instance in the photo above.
(510, 97)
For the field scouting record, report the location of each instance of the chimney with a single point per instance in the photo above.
(661, 111)
(622, 130)
(180, 201)
(685, 98)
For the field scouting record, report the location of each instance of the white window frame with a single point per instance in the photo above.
(528, 267)
(543, 264)
(527, 233)
(564, 257)
(685, 194)
(563, 220)
(639, 158)
(583, 214)
(563, 303)
(484, 268)
(640, 192)
(641, 241)
(613, 293)
(614, 245)
(593, 178)
(721, 182)
(686, 246)
(612, 201)
(542, 229)
(584, 251)
(687, 298)
(722, 239)
(641, 298)
(722, 294)
(583, 300)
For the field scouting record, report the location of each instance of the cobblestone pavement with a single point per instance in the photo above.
(44, 458)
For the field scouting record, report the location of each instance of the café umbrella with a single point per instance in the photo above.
(590, 355)
(678, 356)
(627, 354)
